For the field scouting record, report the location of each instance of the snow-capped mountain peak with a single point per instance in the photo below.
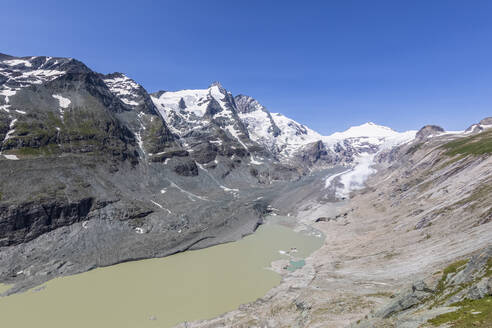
(289, 140)
(190, 104)
(382, 137)
(368, 129)
(123, 87)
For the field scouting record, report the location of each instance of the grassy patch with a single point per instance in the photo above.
(475, 145)
(437, 298)
(477, 197)
(46, 150)
(472, 313)
(413, 149)
(390, 255)
(488, 272)
(451, 269)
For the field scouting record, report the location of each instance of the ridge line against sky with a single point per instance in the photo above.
(327, 64)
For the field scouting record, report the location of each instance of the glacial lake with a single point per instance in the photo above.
(163, 292)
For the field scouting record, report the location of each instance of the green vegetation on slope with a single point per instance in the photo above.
(440, 295)
(472, 313)
(475, 145)
(479, 196)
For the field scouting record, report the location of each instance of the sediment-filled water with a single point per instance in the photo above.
(162, 292)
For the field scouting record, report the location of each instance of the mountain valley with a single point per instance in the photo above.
(96, 171)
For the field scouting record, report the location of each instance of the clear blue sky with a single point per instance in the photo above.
(328, 64)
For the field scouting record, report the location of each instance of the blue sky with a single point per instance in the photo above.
(327, 64)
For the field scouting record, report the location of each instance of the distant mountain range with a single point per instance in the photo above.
(147, 175)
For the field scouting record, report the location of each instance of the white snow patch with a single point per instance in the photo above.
(129, 102)
(192, 195)
(159, 205)
(234, 133)
(64, 102)
(193, 99)
(7, 93)
(229, 189)
(139, 141)
(254, 161)
(11, 131)
(15, 62)
(41, 75)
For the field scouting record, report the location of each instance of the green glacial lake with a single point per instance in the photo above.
(188, 286)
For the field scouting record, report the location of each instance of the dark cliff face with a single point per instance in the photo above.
(88, 126)
(19, 224)
(246, 104)
(59, 119)
(79, 149)
(429, 130)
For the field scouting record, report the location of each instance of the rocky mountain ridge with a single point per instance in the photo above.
(409, 249)
(96, 171)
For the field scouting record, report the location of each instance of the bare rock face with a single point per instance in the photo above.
(246, 105)
(187, 168)
(79, 149)
(429, 130)
(416, 294)
(463, 280)
(486, 121)
(479, 127)
(474, 129)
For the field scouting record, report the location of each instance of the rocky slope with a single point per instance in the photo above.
(400, 251)
(92, 161)
(95, 171)
(92, 175)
